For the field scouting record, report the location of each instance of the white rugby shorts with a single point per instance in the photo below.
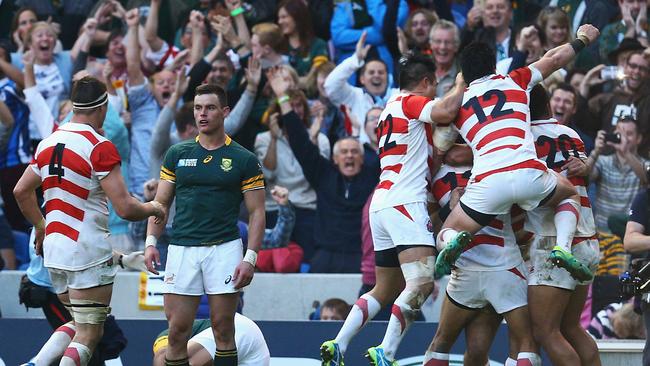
(99, 275)
(543, 273)
(407, 224)
(496, 193)
(505, 290)
(198, 270)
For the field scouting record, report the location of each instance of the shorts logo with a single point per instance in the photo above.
(429, 225)
(170, 279)
(226, 164)
(207, 159)
(228, 280)
(186, 162)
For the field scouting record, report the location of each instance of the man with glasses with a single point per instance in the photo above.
(630, 97)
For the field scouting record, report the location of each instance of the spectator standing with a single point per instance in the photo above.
(333, 123)
(306, 51)
(342, 188)
(445, 40)
(373, 77)
(618, 176)
(490, 23)
(354, 17)
(633, 24)
(24, 19)
(563, 107)
(556, 26)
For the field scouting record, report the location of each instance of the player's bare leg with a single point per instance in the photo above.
(519, 329)
(222, 316)
(389, 283)
(198, 356)
(566, 202)
(547, 305)
(582, 342)
(455, 235)
(479, 335)
(417, 264)
(89, 309)
(452, 321)
(180, 311)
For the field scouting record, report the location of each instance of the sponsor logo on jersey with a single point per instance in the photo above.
(226, 164)
(207, 159)
(186, 162)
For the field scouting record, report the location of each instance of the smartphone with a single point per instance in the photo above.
(610, 73)
(613, 137)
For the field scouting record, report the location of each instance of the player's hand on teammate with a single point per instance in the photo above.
(455, 196)
(243, 275)
(588, 31)
(575, 167)
(280, 195)
(362, 48)
(159, 212)
(151, 259)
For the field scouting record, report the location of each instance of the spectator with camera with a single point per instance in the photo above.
(618, 176)
(630, 97)
(637, 242)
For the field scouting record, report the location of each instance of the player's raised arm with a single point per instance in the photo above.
(559, 56)
(445, 111)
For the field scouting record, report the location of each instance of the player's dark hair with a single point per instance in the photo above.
(184, 117)
(87, 90)
(339, 306)
(539, 103)
(414, 68)
(213, 89)
(477, 60)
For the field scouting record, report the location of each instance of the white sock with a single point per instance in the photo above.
(566, 220)
(510, 362)
(76, 354)
(528, 359)
(444, 236)
(363, 310)
(401, 318)
(55, 346)
(436, 359)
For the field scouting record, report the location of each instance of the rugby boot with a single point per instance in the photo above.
(330, 354)
(376, 357)
(566, 260)
(448, 256)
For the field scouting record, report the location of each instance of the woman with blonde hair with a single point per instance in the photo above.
(556, 26)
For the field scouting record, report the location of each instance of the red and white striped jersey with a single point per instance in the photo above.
(494, 247)
(71, 162)
(405, 139)
(555, 143)
(494, 120)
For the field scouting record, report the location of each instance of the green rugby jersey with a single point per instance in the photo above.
(209, 189)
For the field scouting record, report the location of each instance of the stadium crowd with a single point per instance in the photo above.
(341, 61)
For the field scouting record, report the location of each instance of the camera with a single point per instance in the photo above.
(636, 281)
(613, 137)
(611, 73)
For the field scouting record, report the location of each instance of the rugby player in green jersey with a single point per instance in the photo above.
(209, 176)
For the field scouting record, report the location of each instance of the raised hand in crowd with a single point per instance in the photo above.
(402, 42)
(107, 71)
(222, 25)
(274, 125)
(182, 81)
(280, 195)
(361, 50)
(132, 17)
(592, 78)
(28, 72)
(474, 16)
(318, 114)
(179, 61)
(253, 74)
(104, 12)
(279, 80)
(526, 37)
(599, 143)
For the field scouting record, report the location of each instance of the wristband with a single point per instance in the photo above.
(151, 241)
(250, 257)
(237, 11)
(283, 99)
(577, 45)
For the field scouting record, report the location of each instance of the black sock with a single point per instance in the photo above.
(182, 362)
(225, 358)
